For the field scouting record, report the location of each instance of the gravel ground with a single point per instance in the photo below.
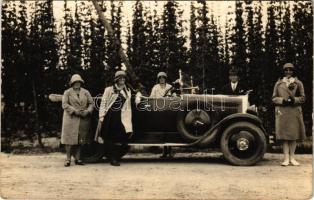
(145, 176)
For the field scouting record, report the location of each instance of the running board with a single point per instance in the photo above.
(163, 144)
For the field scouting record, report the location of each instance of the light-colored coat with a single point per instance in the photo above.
(289, 119)
(108, 98)
(75, 127)
(158, 91)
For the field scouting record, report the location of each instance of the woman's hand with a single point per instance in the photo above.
(77, 112)
(291, 100)
(84, 113)
(100, 140)
(130, 134)
(138, 98)
(288, 102)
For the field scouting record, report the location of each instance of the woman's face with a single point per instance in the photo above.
(162, 80)
(288, 72)
(76, 85)
(121, 80)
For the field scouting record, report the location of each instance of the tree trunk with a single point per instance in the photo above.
(133, 77)
(37, 117)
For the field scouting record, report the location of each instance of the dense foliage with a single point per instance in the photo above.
(39, 56)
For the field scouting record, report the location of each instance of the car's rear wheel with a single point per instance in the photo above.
(243, 143)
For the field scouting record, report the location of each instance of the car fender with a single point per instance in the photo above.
(218, 128)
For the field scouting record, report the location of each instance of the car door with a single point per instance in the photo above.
(153, 118)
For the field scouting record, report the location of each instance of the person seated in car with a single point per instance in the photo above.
(162, 89)
(234, 87)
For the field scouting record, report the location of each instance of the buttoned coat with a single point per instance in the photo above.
(75, 129)
(108, 98)
(289, 119)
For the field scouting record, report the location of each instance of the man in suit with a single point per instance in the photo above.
(234, 87)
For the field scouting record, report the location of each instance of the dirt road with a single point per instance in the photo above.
(145, 176)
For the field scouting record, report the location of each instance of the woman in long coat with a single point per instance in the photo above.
(78, 106)
(288, 96)
(115, 117)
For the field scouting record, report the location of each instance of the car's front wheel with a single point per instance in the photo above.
(243, 143)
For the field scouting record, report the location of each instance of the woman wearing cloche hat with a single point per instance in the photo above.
(78, 106)
(115, 117)
(288, 96)
(162, 89)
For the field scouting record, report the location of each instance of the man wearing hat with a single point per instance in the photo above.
(234, 87)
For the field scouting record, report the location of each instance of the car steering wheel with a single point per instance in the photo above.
(171, 90)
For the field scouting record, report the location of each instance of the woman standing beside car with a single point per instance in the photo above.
(115, 117)
(78, 106)
(288, 96)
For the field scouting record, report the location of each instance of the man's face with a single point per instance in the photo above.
(233, 78)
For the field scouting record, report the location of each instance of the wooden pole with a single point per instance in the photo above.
(133, 77)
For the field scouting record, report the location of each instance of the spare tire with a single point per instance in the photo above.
(193, 124)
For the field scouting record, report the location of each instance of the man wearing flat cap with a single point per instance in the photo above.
(234, 87)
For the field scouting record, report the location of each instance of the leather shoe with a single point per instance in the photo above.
(78, 162)
(67, 163)
(114, 162)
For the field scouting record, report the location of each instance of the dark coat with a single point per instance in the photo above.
(227, 89)
(289, 119)
(108, 98)
(75, 129)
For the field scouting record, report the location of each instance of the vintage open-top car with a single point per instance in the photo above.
(195, 120)
(190, 120)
